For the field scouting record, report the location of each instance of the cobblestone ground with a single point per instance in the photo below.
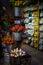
(37, 56)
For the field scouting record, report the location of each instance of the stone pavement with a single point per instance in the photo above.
(37, 56)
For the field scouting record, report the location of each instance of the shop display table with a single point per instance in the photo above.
(20, 60)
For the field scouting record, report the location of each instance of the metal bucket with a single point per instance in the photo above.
(17, 36)
(6, 58)
(17, 11)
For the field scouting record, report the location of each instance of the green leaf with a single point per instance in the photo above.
(5, 23)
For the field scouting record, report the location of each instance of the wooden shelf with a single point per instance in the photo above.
(41, 31)
(40, 16)
(32, 17)
(40, 23)
(35, 30)
(40, 9)
(41, 37)
(30, 11)
(40, 43)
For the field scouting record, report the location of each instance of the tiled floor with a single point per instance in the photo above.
(37, 56)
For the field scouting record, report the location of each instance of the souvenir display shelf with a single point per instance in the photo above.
(31, 15)
(41, 26)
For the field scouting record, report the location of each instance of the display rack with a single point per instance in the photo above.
(31, 21)
(41, 26)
